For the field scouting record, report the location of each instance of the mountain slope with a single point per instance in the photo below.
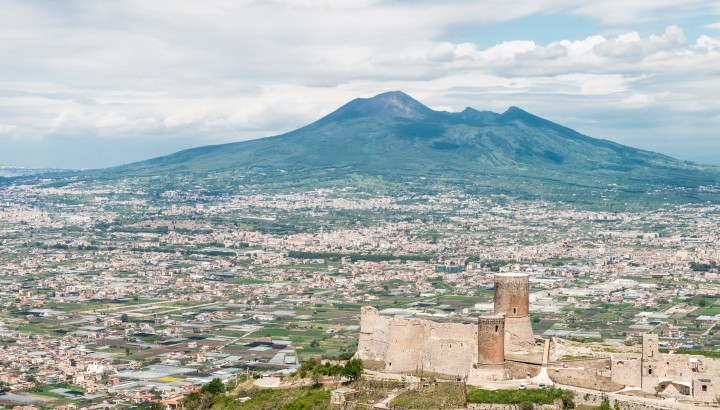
(397, 138)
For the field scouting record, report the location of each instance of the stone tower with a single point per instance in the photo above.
(512, 299)
(491, 339)
(650, 359)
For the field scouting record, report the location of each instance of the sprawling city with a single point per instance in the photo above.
(112, 298)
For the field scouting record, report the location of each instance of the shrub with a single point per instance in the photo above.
(536, 396)
(527, 405)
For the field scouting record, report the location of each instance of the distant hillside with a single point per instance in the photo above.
(11, 172)
(394, 139)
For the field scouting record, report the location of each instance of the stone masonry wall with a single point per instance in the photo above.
(589, 374)
(414, 345)
(519, 336)
(626, 369)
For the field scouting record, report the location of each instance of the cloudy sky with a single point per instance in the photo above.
(94, 83)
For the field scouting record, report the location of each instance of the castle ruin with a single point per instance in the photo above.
(496, 349)
(412, 345)
(670, 375)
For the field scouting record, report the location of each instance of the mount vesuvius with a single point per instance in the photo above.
(394, 139)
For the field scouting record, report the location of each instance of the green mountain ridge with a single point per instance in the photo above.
(396, 139)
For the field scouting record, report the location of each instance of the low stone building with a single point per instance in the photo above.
(671, 375)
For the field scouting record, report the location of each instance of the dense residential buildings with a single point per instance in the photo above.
(110, 297)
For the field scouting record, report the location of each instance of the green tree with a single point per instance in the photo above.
(215, 386)
(124, 318)
(353, 369)
(308, 365)
(192, 401)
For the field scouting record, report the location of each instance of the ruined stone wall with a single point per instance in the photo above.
(485, 373)
(414, 345)
(681, 368)
(677, 367)
(660, 368)
(519, 335)
(626, 369)
(448, 348)
(706, 389)
(590, 374)
(405, 345)
(675, 375)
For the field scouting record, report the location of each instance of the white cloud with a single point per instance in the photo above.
(228, 70)
(636, 11)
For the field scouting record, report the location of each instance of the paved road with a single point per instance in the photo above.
(135, 307)
(136, 312)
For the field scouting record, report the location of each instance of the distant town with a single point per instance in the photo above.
(115, 297)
